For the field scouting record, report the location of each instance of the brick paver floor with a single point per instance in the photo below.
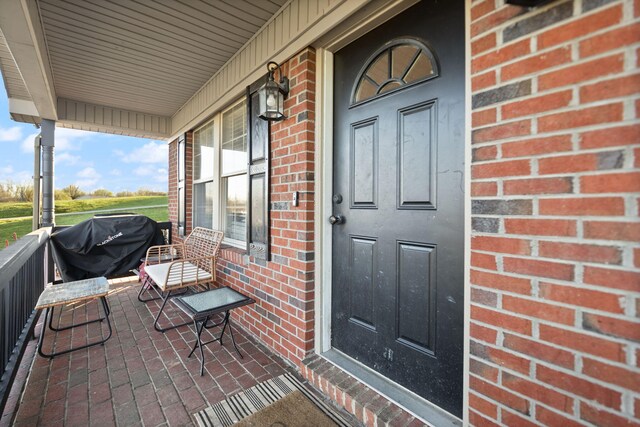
(140, 376)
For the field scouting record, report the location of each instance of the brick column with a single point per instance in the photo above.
(555, 260)
(284, 288)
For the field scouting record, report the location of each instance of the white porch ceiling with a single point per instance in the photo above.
(153, 68)
(10, 75)
(149, 56)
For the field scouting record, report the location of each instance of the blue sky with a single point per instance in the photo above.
(87, 159)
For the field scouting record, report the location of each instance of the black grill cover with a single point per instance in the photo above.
(104, 246)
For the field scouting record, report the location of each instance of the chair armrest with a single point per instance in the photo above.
(176, 270)
(164, 253)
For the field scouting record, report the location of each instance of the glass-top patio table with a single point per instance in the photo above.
(202, 306)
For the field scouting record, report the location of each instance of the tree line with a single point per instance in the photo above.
(13, 192)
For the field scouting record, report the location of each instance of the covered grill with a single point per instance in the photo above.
(104, 245)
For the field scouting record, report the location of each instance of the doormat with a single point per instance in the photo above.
(283, 399)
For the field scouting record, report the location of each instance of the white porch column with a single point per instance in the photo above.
(48, 142)
(37, 179)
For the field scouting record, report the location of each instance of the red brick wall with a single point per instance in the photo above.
(555, 261)
(283, 288)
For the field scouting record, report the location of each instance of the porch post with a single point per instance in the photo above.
(48, 143)
(37, 153)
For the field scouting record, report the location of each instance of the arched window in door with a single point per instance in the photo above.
(397, 64)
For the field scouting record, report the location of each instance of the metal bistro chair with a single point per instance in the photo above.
(178, 266)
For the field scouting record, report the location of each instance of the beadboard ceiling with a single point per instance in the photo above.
(147, 55)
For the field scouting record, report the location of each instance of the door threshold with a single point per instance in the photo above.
(404, 398)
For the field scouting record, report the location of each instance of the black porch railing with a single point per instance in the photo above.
(25, 267)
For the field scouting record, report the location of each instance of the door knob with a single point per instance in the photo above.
(336, 219)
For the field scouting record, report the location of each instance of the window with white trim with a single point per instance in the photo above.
(180, 164)
(220, 174)
(233, 174)
(203, 176)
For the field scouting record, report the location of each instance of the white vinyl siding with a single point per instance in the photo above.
(296, 25)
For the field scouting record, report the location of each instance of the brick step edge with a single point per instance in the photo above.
(366, 404)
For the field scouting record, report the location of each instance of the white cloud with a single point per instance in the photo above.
(11, 134)
(89, 173)
(162, 176)
(28, 142)
(65, 140)
(86, 184)
(6, 170)
(153, 175)
(8, 173)
(23, 176)
(71, 139)
(151, 152)
(143, 170)
(88, 179)
(67, 158)
(115, 172)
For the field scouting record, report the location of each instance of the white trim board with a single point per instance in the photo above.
(467, 214)
(323, 203)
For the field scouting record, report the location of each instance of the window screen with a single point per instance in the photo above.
(234, 172)
(203, 176)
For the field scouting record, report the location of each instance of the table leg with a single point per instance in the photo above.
(44, 327)
(107, 310)
(106, 304)
(214, 324)
(234, 341)
(64, 328)
(224, 326)
(226, 322)
(199, 343)
(48, 313)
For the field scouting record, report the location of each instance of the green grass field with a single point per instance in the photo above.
(18, 209)
(9, 225)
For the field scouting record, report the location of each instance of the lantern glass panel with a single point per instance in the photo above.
(280, 112)
(262, 101)
(272, 100)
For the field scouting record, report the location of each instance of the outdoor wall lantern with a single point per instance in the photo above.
(272, 95)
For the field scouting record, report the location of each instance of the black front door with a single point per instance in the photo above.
(398, 185)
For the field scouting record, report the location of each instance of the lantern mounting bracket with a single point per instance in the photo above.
(272, 66)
